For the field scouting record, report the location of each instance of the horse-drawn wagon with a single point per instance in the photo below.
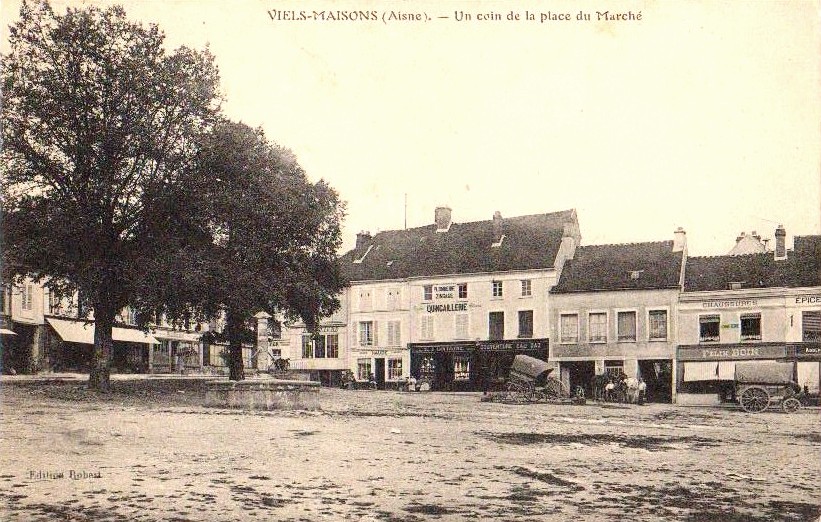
(530, 380)
(760, 384)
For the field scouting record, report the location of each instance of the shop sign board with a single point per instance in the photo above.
(802, 300)
(729, 303)
(512, 346)
(813, 350)
(721, 353)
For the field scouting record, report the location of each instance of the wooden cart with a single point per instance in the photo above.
(761, 384)
(530, 380)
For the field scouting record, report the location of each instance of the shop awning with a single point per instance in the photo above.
(700, 371)
(83, 332)
(726, 370)
(3, 331)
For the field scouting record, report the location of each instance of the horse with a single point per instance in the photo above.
(598, 384)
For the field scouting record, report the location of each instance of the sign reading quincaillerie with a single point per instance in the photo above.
(450, 307)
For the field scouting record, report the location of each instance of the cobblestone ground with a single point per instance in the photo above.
(390, 456)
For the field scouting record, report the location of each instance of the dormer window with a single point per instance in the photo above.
(734, 285)
(635, 274)
(499, 243)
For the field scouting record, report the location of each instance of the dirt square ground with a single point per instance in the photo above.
(150, 451)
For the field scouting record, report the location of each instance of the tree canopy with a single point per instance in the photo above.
(100, 125)
(261, 237)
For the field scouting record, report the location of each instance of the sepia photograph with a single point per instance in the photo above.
(410, 260)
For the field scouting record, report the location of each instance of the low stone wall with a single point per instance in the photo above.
(263, 394)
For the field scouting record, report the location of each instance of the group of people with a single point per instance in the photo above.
(620, 388)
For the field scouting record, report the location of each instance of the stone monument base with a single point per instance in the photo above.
(263, 394)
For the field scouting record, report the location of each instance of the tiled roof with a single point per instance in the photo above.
(530, 242)
(631, 266)
(801, 268)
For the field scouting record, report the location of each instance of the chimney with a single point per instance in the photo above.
(780, 240)
(362, 239)
(498, 227)
(741, 236)
(679, 240)
(442, 218)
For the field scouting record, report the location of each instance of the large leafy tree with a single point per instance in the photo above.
(100, 121)
(260, 237)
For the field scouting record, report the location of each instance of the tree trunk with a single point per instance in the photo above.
(236, 368)
(99, 376)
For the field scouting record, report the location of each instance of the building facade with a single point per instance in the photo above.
(763, 306)
(451, 304)
(614, 311)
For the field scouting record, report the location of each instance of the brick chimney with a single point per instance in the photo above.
(679, 240)
(498, 227)
(780, 243)
(442, 218)
(362, 239)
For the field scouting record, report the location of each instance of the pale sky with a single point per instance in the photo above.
(703, 114)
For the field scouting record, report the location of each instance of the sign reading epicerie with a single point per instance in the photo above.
(808, 299)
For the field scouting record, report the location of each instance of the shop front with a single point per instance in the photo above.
(470, 365)
(383, 366)
(807, 357)
(706, 374)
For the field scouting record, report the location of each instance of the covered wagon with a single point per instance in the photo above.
(760, 384)
(530, 379)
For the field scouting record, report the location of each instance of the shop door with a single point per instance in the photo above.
(379, 372)
(658, 375)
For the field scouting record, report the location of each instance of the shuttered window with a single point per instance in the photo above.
(525, 323)
(496, 326)
(658, 325)
(569, 325)
(426, 327)
(811, 326)
(461, 326)
(627, 326)
(597, 327)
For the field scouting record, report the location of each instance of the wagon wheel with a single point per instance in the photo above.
(754, 399)
(538, 395)
(515, 392)
(554, 389)
(791, 405)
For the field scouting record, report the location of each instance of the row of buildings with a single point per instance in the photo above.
(453, 303)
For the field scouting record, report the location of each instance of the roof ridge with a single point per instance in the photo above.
(659, 242)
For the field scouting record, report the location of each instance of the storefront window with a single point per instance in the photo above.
(319, 347)
(427, 367)
(363, 369)
(394, 369)
(750, 327)
(708, 328)
(811, 326)
(614, 368)
(461, 368)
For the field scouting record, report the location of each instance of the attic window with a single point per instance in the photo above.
(635, 274)
(497, 245)
(389, 263)
(734, 285)
(357, 261)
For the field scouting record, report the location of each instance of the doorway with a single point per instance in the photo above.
(658, 374)
(581, 373)
(379, 372)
